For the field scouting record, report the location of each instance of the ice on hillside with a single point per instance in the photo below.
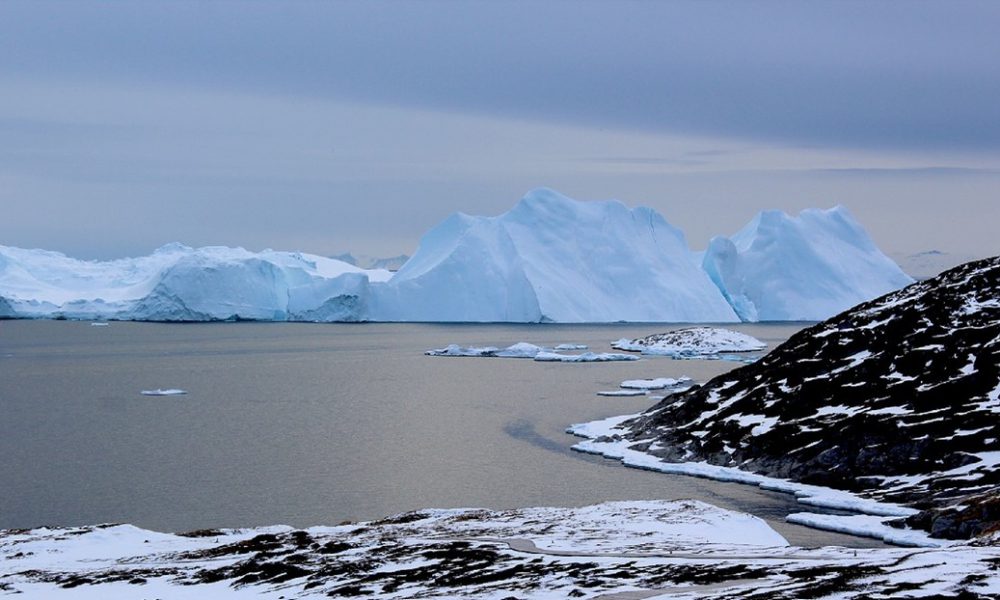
(553, 259)
(605, 438)
(654, 384)
(163, 392)
(692, 342)
(804, 268)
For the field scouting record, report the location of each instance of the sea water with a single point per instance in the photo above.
(308, 424)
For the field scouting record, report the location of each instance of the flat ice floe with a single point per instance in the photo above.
(683, 549)
(605, 438)
(659, 383)
(526, 350)
(163, 392)
(622, 393)
(585, 357)
(693, 342)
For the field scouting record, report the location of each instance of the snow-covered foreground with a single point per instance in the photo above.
(606, 438)
(548, 259)
(681, 549)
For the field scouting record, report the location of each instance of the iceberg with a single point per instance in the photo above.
(691, 342)
(179, 283)
(805, 268)
(553, 259)
(548, 259)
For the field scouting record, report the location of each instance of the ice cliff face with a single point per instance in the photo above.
(178, 283)
(551, 258)
(805, 268)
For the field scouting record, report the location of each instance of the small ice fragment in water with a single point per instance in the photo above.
(654, 384)
(99, 324)
(623, 393)
(571, 347)
(161, 392)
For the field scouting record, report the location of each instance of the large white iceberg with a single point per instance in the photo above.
(553, 259)
(805, 268)
(549, 259)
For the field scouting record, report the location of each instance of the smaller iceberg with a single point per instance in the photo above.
(692, 342)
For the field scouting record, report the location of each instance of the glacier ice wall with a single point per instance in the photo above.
(804, 268)
(548, 259)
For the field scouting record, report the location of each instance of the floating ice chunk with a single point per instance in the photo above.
(585, 357)
(163, 392)
(692, 342)
(520, 350)
(456, 350)
(99, 324)
(564, 347)
(653, 384)
(623, 393)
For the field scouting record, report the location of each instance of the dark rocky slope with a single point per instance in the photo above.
(897, 399)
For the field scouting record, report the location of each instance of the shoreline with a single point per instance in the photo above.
(869, 519)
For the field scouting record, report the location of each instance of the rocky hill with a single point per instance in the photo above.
(897, 399)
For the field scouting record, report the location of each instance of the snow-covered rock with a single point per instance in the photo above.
(553, 259)
(679, 549)
(691, 342)
(178, 283)
(805, 268)
(896, 400)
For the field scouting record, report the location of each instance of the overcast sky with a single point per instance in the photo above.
(326, 127)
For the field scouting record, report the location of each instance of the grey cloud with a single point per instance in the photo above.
(864, 74)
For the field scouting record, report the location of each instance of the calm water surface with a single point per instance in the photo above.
(307, 424)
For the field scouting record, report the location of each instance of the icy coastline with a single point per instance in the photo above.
(605, 438)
